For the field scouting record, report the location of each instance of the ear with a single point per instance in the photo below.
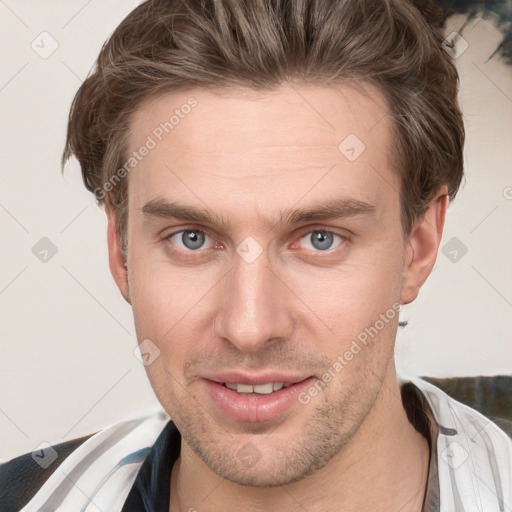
(422, 246)
(115, 256)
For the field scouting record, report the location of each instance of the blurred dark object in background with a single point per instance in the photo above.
(497, 11)
(491, 396)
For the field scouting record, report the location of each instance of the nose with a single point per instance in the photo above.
(255, 306)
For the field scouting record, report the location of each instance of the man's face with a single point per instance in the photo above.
(258, 295)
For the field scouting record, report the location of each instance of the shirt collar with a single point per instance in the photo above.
(151, 489)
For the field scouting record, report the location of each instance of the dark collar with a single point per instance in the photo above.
(151, 490)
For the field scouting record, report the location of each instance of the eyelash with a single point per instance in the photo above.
(310, 230)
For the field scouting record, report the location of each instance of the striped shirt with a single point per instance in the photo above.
(127, 466)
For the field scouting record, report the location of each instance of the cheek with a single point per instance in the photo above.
(163, 309)
(158, 304)
(352, 297)
(175, 307)
(172, 307)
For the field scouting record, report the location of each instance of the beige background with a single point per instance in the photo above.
(67, 338)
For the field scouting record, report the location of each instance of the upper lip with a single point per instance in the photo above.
(253, 379)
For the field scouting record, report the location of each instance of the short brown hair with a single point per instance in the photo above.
(166, 45)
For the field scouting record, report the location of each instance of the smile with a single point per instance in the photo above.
(254, 402)
(261, 389)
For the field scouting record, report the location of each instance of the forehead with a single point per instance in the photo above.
(270, 149)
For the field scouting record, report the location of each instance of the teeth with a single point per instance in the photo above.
(261, 389)
(264, 389)
(244, 388)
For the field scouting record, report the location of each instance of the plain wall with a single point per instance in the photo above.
(67, 366)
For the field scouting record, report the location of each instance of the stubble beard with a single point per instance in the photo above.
(273, 459)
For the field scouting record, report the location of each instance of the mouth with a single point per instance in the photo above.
(260, 389)
(255, 399)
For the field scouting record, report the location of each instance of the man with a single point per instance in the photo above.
(275, 176)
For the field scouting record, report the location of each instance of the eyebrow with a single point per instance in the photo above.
(323, 210)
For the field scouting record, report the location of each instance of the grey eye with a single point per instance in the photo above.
(191, 239)
(321, 240)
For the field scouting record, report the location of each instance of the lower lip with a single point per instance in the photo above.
(252, 406)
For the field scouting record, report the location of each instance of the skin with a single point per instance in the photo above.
(248, 157)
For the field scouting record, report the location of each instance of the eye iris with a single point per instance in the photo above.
(321, 240)
(192, 239)
(195, 239)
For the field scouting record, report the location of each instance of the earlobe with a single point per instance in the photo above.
(422, 246)
(115, 256)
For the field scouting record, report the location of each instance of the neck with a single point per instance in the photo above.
(383, 467)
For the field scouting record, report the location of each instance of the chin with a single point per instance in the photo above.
(263, 462)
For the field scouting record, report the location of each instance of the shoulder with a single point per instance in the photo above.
(474, 455)
(38, 480)
(21, 477)
(476, 416)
